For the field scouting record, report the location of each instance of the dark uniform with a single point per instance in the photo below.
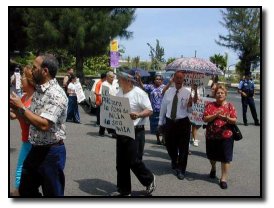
(247, 86)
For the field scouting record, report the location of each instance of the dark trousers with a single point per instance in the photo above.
(44, 167)
(177, 135)
(249, 101)
(101, 128)
(127, 159)
(73, 111)
(98, 115)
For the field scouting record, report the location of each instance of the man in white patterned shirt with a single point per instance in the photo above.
(46, 161)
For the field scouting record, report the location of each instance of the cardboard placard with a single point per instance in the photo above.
(114, 114)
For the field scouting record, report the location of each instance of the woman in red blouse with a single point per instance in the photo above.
(219, 140)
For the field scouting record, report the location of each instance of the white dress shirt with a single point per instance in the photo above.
(182, 109)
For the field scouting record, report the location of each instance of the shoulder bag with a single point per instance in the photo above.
(237, 134)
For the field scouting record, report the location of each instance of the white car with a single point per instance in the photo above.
(90, 93)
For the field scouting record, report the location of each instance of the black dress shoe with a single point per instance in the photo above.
(180, 175)
(212, 174)
(245, 124)
(257, 124)
(223, 185)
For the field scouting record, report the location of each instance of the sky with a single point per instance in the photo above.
(180, 31)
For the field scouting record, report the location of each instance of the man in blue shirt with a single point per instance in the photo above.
(246, 89)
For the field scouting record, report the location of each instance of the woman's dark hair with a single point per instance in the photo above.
(158, 75)
(50, 62)
(72, 76)
(69, 68)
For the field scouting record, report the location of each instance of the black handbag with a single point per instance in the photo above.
(237, 135)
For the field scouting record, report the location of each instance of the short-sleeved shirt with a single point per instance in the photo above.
(219, 124)
(155, 95)
(111, 87)
(71, 88)
(247, 86)
(50, 102)
(138, 101)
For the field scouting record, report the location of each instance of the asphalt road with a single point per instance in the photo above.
(90, 166)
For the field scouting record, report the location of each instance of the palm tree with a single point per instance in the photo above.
(220, 61)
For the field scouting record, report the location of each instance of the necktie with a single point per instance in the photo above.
(174, 106)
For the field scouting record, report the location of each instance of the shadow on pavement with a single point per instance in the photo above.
(156, 153)
(190, 176)
(154, 165)
(198, 153)
(96, 186)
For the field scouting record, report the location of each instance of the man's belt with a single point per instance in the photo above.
(176, 120)
(61, 142)
(139, 127)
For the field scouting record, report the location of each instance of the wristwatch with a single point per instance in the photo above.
(21, 111)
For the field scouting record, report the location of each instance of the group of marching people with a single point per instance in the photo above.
(45, 107)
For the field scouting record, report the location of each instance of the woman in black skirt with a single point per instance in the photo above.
(219, 138)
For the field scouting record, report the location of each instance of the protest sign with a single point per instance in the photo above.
(79, 92)
(198, 110)
(114, 114)
(201, 80)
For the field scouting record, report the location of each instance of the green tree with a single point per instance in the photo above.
(144, 65)
(170, 60)
(83, 32)
(17, 34)
(220, 61)
(136, 62)
(157, 56)
(243, 25)
(96, 65)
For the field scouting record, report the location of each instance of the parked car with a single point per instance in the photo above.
(166, 76)
(90, 93)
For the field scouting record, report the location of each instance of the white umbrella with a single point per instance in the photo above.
(195, 65)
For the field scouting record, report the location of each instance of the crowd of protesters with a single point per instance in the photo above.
(44, 107)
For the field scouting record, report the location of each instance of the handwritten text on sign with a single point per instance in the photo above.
(198, 79)
(198, 110)
(114, 114)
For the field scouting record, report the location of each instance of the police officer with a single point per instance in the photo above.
(246, 89)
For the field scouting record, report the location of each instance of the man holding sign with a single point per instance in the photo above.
(129, 151)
